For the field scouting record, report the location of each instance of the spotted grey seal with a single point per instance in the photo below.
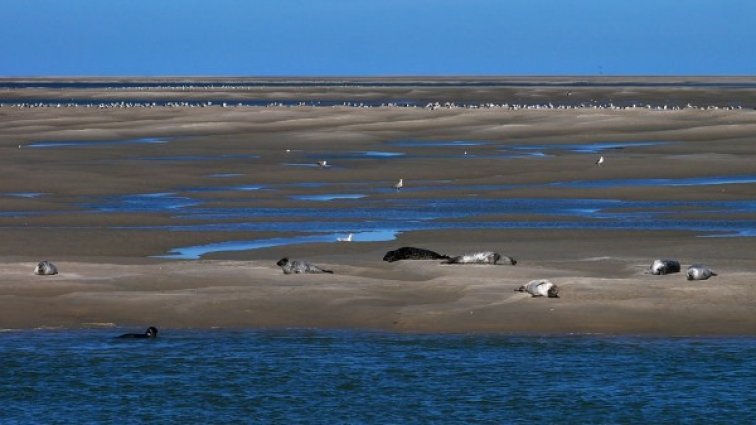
(484, 257)
(151, 332)
(540, 288)
(45, 268)
(290, 266)
(412, 253)
(699, 272)
(659, 267)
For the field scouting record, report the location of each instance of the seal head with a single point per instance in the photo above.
(151, 332)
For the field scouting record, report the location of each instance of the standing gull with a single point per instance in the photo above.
(323, 163)
(399, 184)
(346, 239)
(600, 161)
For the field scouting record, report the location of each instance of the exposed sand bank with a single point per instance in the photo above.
(108, 275)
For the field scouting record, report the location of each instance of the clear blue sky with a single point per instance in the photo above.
(377, 37)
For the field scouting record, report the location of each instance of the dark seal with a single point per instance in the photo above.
(151, 332)
(412, 253)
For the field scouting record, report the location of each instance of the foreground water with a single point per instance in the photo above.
(307, 376)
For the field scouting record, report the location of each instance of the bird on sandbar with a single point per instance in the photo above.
(346, 239)
(600, 161)
(399, 184)
(323, 163)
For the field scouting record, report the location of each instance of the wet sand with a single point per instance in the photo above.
(110, 276)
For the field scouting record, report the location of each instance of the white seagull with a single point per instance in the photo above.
(346, 239)
(600, 161)
(399, 184)
(323, 163)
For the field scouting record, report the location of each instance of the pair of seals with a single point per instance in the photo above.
(290, 266)
(484, 257)
(412, 253)
(660, 267)
(699, 272)
(45, 268)
(694, 272)
(151, 332)
(540, 288)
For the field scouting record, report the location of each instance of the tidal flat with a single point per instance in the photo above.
(111, 186)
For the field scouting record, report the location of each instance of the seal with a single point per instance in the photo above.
(699, 272)
(540, 288)
(151, 332)
(45, 268)
(483, 257)
(290, 266)
(659, 267)
(412, 253)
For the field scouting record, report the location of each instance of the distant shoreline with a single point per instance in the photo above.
(467, 92)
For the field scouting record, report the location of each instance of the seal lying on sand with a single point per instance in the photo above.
(45, 268)
(296, 266)
(151, 332)
(699, 272)
(665, 267)
(540, 288)
(485, 257)
(412, 253)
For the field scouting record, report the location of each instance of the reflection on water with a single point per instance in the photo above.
(375, 208)
(195, 252)
(383, 218)
(23, 194)
(689, 181)
(436, 143)
(89, 143)
(587, 147)
(330, 197)
(225, 175)
(198, 157)
(238, 188)
(144, 202)
(356, 155)
(541, 148)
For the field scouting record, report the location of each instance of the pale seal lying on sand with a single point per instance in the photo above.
(699, 272)
(45, 268)
(540, 288)
(412, 253)
(297, 266)
(484, 257)
(665, 267)
(151, 332)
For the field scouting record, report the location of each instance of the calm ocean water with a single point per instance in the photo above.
(308, 376)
